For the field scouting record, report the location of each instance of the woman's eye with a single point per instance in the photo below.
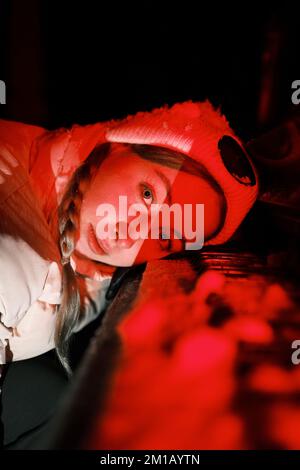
(147, 195)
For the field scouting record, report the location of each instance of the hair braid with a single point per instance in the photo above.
(69, 309)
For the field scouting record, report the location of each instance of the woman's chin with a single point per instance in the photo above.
(83, 248)
(116, 259)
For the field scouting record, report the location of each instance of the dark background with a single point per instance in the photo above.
(66, 62)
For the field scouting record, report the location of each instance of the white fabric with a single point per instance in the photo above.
(30, 281)
(27, 330)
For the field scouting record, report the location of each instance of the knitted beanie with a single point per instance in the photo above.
(203, 133)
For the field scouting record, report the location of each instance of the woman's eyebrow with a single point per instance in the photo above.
(167, 185)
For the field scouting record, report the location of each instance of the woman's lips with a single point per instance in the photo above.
(94, 243)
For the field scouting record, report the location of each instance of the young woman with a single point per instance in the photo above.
(55, 267)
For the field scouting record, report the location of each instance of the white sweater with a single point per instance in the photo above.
(28, 332)
(30, 277)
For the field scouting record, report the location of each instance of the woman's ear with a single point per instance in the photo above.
(236, 160)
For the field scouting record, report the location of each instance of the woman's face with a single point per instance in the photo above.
(109, 236)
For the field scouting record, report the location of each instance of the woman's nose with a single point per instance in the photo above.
(123, 239)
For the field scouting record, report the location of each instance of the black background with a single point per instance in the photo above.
(83, 62)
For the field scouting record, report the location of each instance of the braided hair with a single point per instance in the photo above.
(68, 214)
